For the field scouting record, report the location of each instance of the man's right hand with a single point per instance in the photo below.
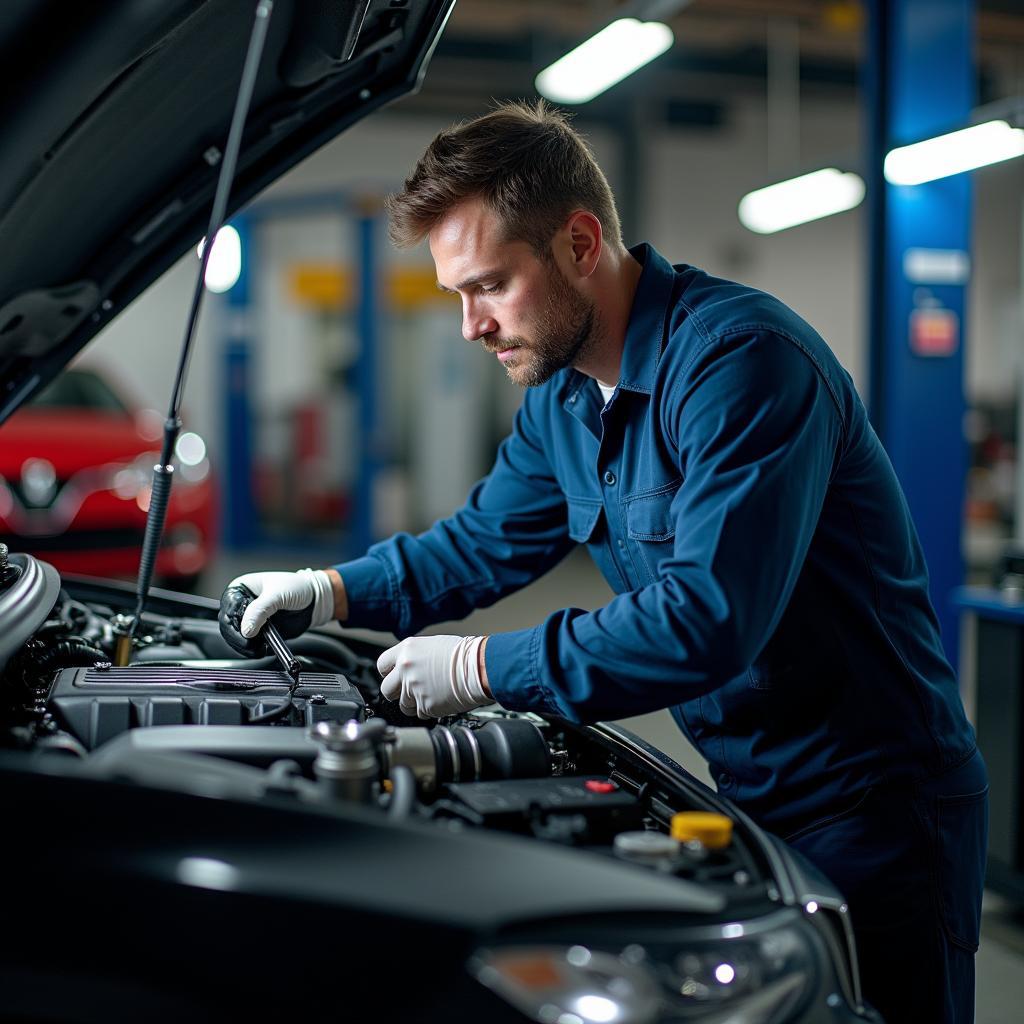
(297, 601)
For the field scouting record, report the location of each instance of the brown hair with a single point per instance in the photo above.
(524, 160)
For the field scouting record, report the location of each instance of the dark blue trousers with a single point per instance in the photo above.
(911, 864)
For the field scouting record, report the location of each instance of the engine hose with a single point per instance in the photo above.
(85, 623)
(50, 627)
(274, 714)
(68, 654)
(403, 792)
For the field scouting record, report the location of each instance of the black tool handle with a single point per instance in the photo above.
(283, 653)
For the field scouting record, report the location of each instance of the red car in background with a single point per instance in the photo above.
(75, 473)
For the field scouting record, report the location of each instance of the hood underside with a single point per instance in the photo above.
(113, 132)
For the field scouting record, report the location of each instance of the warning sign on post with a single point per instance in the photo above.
(934, 332)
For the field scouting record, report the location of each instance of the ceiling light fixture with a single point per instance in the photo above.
(799, 200)
(604, 59)
(225, 263)
(953, 153)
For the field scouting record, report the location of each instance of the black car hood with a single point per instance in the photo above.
(113, 120)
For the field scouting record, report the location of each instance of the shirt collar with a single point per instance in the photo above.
(646, 328)
(647, 320)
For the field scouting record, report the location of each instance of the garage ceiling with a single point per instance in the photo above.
(723, 50)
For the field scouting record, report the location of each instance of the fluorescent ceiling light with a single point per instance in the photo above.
(604, 59)
(225, 264)
(809, 197)
(964, 150)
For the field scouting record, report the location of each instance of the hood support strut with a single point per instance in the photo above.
(164, 470)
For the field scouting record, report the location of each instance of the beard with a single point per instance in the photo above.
(565, 332)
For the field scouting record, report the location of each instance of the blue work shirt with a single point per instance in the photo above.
(771, 588)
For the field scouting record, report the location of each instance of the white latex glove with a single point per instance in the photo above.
(286, 591)
(434, 676)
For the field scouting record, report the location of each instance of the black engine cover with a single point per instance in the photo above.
(96, 704)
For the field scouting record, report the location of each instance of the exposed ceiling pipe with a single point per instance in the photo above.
(783, 95)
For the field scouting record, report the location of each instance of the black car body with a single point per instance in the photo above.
(163, 859)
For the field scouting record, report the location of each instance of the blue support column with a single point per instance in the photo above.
(371, 442)
(239, 513)
(921, 83)
(240, 520)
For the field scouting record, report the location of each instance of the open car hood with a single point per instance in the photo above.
(113, 131)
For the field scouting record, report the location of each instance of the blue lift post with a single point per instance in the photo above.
(920, 83)
(240, 522)
(240, 528)
(372, 455)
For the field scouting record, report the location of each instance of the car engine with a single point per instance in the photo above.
(186, 703)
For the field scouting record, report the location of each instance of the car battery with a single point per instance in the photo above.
(576, 809)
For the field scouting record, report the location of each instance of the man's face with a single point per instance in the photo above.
(519, 306)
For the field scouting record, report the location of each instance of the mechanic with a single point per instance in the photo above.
(705, 444)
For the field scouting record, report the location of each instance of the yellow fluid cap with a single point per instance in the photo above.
(713, 830)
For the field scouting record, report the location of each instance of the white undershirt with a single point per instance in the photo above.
(606, 391)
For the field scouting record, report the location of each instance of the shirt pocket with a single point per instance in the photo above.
(583, 517)
(585, 527)
(651, 527)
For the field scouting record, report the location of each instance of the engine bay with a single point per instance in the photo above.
(187, 710)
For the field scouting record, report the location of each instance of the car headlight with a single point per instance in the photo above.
(134, 479)
(756, 973)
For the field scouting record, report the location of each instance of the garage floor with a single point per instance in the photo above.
(576, 583)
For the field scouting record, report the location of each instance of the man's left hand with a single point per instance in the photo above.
(434, 676)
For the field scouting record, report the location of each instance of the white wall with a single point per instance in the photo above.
(141, 347)
(696, 182)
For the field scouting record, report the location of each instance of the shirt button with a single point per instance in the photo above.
(609, 478)
(572, 398)
(622, 544)
(724, 780)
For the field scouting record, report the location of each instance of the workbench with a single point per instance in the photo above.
(993, 682)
